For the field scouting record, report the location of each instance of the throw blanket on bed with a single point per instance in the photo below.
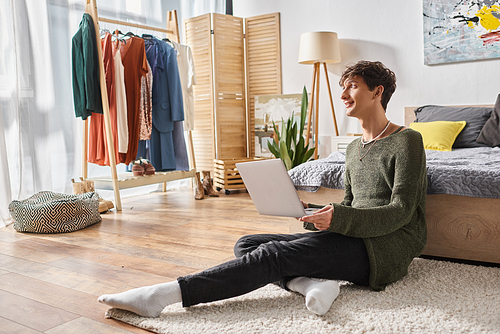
(471, 172)
(328, 172)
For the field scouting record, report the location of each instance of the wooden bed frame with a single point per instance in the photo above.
(458, 227)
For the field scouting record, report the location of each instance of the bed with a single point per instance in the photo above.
(463, 196)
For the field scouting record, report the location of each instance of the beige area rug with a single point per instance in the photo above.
(435, 297)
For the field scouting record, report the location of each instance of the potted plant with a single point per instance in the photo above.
(289, 145)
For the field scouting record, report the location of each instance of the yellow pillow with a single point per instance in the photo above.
(438, 135)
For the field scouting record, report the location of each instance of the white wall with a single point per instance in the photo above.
(384, 30)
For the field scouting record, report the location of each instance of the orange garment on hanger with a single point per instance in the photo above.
(135, 64)
(98, 146)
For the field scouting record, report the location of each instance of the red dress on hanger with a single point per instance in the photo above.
(135, 67)
(98, 146)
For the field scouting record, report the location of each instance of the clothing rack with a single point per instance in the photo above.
(124, 181)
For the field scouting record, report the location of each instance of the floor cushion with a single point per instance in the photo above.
(49, 212)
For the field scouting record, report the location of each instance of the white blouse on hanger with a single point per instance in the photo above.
(187, 75)
(121, 104)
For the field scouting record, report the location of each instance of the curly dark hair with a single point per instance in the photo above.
(374, 73)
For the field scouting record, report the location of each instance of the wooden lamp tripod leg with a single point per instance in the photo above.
(315, 94)
(331, 100)
(310, 106)
(316, 114)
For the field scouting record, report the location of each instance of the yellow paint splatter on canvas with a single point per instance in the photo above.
(487, 19)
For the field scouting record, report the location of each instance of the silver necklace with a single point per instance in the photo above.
(369, 148)
(374, 139)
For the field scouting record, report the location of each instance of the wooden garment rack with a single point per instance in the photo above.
(127, 180)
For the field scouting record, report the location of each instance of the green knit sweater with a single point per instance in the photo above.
(384, 203)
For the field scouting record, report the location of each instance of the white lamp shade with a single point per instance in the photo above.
(319, 46)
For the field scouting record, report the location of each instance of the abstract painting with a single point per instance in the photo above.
(461, 30)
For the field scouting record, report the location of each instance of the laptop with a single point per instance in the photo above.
(271, 189)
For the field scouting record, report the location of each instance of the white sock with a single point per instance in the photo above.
(147, 301)
(319, 294)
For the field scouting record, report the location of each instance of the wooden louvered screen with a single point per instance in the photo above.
(224, 118)
(229, 87)
(263, 63)
(199, 38)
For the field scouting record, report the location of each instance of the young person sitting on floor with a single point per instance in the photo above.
(369, 239)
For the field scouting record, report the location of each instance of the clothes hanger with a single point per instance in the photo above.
(117, 34)
(104, 31)
(130, 34)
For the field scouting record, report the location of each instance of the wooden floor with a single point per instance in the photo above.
(50, 283)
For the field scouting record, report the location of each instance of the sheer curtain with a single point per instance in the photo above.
(199, 7)
(193, 8)
(40, 137)
(37, 133)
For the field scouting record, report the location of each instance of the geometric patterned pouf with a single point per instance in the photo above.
(49, 212)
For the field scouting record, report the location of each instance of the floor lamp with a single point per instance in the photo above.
(318, 48)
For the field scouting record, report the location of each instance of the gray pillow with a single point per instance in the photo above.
(490, 134)
(475, 117)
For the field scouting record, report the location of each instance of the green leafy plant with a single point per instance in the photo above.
(289, 145)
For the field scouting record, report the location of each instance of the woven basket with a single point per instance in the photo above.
(49, 212)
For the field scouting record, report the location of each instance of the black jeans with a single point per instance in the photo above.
(277, 258)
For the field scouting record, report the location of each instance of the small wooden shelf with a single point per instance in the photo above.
(226, 175)
(128, 180)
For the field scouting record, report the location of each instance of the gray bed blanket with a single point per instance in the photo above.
(471, 172)
(327, 172)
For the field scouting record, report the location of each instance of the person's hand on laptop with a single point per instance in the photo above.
(321, 218)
